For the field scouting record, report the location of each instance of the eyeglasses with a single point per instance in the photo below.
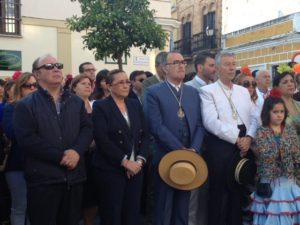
(50, 66)
(122, 82)
(177, 62)
(247, 84)
(30, 86)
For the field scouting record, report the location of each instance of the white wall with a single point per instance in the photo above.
(80, 55)
(239, 14)
(54, 9)
(62, 9)
(36, 41)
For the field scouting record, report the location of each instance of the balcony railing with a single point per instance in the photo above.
(197, 43)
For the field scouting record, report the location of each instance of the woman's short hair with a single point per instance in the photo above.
(111, 75)
(78, 79)
(20, 82)
(268, 106)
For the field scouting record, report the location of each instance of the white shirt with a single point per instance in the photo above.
(217, 113)
(177, 87)
(197, 82)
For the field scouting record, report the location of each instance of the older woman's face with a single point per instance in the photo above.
(249, 83)
(83, 88)
(29, 87)
(287, 85)
(120, 85)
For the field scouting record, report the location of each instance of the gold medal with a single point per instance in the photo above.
(180, 113)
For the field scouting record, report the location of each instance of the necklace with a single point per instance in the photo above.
(233, 110)
(180, 112)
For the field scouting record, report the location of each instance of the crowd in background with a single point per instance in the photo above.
(88, 147)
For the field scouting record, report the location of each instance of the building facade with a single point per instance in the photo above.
(32, 28)
(266, 45)
(200, 28)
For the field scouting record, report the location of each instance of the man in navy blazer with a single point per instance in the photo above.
(174, 116)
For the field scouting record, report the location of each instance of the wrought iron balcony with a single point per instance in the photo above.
(198, 42)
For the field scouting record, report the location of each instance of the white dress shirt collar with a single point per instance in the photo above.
(177, 87)
(200, 81)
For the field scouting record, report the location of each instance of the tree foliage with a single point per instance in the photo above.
(112, 27)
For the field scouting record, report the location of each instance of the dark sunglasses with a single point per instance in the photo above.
(50, 66)
(30, 86)
(247, 84)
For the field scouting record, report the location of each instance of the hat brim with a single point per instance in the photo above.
(241, 171)
(183, 155)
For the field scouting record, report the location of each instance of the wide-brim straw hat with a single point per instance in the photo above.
(241, 171)
(183, 169)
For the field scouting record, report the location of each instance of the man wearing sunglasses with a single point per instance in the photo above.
(136, 78)
(52, 127)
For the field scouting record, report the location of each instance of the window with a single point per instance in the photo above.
(10, 17)
(209, 21)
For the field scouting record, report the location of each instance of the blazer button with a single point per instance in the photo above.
(120, 132)
(140, 142)
(141, 130)
(121, 142)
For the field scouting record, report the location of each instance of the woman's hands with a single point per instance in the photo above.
(132, 167)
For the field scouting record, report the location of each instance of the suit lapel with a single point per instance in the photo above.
(117, 114)
(131, 115)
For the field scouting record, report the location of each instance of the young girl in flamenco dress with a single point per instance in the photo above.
(276, 200)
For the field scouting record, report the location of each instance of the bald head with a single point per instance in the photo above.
(263, 80)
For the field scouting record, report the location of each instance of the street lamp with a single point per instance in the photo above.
(209, 32)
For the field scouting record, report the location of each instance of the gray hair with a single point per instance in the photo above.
(222, 54)
(161, 58)
(260, 73)
(37, 63)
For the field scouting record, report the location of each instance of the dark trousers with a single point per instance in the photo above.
(171, 206)
(55, 204)
(119, 196)
(225, 205)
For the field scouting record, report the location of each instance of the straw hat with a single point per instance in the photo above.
(241, 171)
(183, 169)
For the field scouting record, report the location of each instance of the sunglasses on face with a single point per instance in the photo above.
(247, 84)
(50, 66)
(30, 86)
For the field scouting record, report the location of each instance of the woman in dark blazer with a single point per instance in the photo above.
(121, 139)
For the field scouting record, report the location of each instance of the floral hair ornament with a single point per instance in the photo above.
(246, 71)
(296, 68)
(282, 68)
(275, 93)
(16, 74)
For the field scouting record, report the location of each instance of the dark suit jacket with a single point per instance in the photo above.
(147, 83)
(161, 110)
(114, 138)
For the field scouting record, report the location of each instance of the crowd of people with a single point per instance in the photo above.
(88, 148)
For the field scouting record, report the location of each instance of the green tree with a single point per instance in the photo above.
(112, 27)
